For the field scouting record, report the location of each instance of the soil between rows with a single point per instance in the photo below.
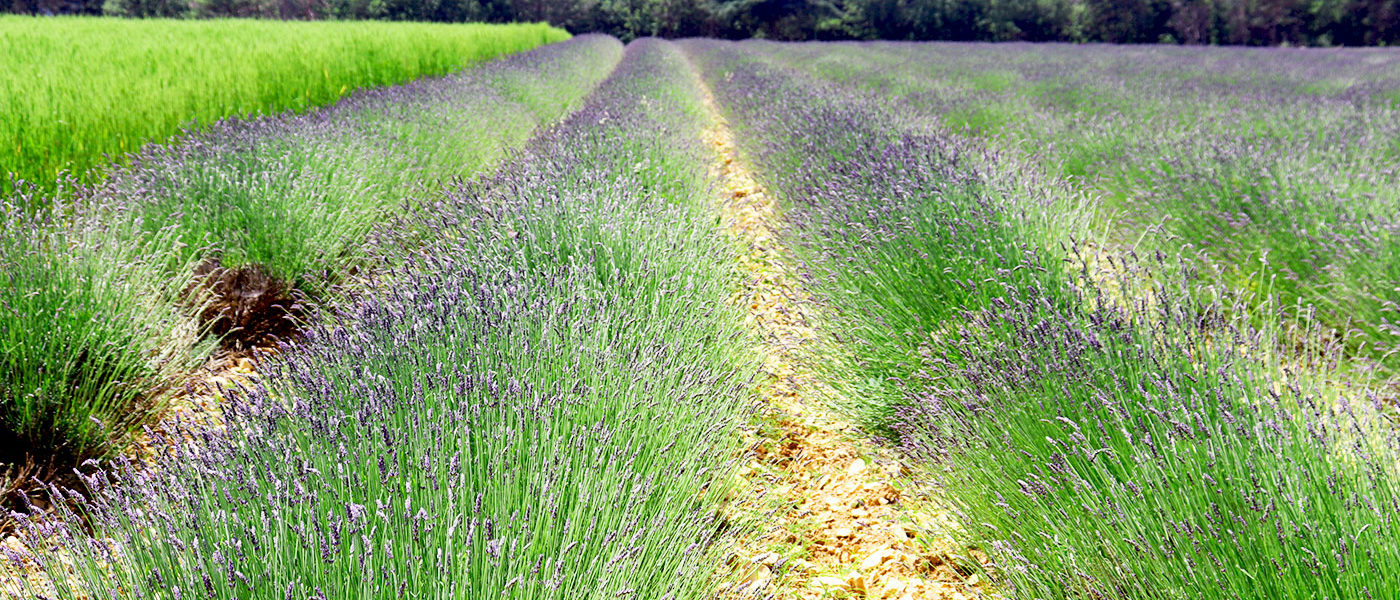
(837, 515)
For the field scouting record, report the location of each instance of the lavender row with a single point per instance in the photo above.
(539, 404)
(853, 173)
(1105, 426)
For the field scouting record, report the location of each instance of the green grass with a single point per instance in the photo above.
(76, 92)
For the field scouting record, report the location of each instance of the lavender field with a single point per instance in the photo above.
(705, 319)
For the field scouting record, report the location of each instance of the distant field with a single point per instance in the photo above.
(91, 298)
(1277, 166)
(75, 90)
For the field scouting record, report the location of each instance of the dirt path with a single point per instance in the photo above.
(833, 515)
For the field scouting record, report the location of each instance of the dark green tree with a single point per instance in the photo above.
(1128, 21)
(774, 19)
(146, 8)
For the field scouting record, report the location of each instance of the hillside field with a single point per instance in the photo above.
(706, 319)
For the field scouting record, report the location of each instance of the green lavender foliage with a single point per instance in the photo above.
(1105, 425)
(296, 195)
(885, 212)
(90, 333)
(1276, 166)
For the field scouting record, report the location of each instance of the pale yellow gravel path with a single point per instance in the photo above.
(833, 515)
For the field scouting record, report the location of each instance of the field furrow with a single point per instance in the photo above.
(835, 514)
(541, 401)
(1103, 424)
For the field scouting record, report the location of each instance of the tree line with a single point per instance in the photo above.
(1238, 22)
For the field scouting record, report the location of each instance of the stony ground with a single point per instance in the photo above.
(836, 515)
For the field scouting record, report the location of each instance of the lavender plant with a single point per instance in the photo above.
(1144, 449)
(540, 404)
(1106, 427)
(75, 107)
(90, 336)
(883, 213)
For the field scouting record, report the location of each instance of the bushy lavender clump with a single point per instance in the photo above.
(1278, 165)
(539, 405)
(90, 336)
(1106, 427)
(1136, 442)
